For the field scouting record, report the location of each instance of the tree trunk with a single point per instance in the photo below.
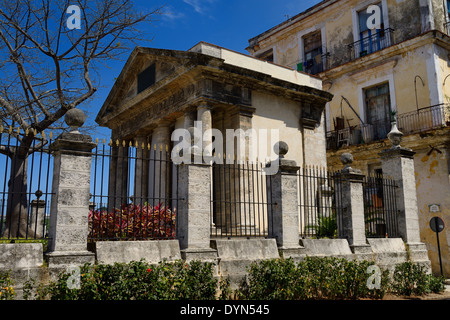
(17, 204)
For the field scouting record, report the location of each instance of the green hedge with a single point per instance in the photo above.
(276, 279)
(135, 281)
(334, 278)
(312, 278)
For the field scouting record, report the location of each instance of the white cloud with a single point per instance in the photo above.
(199, 5)
(170, 14)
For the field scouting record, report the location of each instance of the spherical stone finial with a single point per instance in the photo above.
(346, 158)
(75, 118)
(281, 148)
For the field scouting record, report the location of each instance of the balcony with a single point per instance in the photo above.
(314, 66)
(376, 42)
(433, 117)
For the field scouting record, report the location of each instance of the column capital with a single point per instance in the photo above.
(397, 152)
(73, 143)
(204, 105)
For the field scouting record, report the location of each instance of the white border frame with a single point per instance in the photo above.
(302, 33)
(362, 86)
(363, 5)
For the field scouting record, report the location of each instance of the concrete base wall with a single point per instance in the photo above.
(235, 256)
(24, 261)
(109, 252)
(232, 257)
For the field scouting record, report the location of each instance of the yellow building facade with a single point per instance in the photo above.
(399, 69)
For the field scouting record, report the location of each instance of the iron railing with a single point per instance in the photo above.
(380, 40)
(447, 27)
(25, 184)
(241, 200)
(134, 192)
(423, 119)
(318, 200)
(313, 66)
(380, 210)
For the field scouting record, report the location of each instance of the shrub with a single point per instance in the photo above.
(411, 279)
(275, 279)
(133, 222)
(435, 284)
(312, 278)
(6, 286)
(136, 281)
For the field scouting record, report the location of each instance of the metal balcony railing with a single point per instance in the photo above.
(380, 40)
(313, 66)
(432, 117)
(447, 27)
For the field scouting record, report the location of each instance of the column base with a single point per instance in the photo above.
(418, 253)
(292, 252)
(203, 254)
(362, 252)
(66, 259)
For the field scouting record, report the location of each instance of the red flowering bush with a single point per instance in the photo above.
(133, 222)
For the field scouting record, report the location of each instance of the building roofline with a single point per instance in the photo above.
(302, 15)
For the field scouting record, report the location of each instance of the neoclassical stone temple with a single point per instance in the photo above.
(160, 90)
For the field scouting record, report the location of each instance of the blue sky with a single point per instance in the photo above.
(227, 23)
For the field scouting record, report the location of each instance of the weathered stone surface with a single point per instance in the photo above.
(326, 247)
(21, 255)
(399, 164)
(126, 251)
(251, 249)
(351, 203)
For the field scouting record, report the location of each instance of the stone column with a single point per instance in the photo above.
(283, 187)
(68, 230)
(193, 223)
(118, 175)
(398, 162)
(159, 168)
(36, 222)
(204, 115)
(141, 171)
(350, 206)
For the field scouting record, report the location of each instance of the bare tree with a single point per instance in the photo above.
(46, 69)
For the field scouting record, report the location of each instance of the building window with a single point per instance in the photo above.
(312, 61)
(448, 10)
(370, 40)
(378, 112)
(146, 78)
(266, 56)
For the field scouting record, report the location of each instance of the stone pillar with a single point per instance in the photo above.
(193, 223)
(36, 222)
(398, 162)
(204, 115)
(68, 230)
(141, 171)
(350, 205)
(118, 175)
(283, 187)
(159, 168)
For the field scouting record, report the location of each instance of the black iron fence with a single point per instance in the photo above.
(321, 200)
(318, 199)
(380, 210)
(25, 184)
(241, 202)
(134, 192)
